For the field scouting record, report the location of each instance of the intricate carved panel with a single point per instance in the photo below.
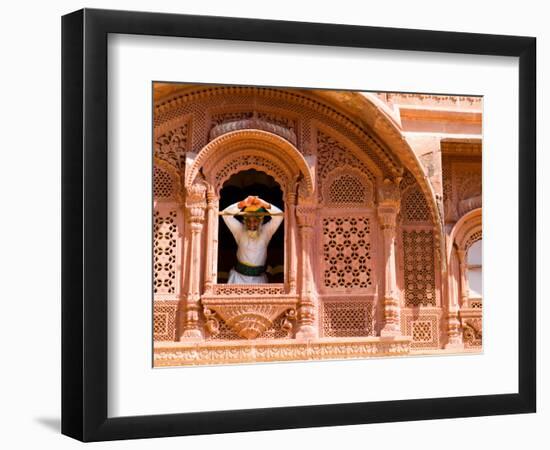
(332, 155)
(164, 320)
(414, 207)
(245, 162)
(239, 290)
(164, 250)
(253, 123)
(249, 320)
(347, 187)
(419, 268)
(250, 313)
(258, 351)
(164, 187)
(277, 331)
(423, 327)
(468, 182)
(230, 116)
(172, 145)
(472, 333)
(347, 253)
(461, 185)
(347, 318)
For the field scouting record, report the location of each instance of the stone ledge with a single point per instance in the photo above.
(168, 354)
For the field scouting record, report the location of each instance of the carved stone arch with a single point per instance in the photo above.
(251, 149)
(360, 113)
(466, 231)
(374, 114)
(348, 187)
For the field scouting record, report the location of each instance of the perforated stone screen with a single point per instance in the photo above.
(347, 190)
(347, 252)
(164, 321)
(163, 186)
(419, 270)
(341, 319)
(164, 252)
(414, 206)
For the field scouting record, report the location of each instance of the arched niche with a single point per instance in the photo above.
(464, 234)
(251, 149)
(466, 231)
(243, 150)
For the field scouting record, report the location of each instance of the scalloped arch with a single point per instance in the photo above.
(467, 226)
(247, 149)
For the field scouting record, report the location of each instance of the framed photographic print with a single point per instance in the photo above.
(276, 225)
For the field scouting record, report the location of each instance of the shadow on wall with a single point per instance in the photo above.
(52, 423)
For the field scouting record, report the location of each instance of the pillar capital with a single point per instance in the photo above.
(387, 217)
(389, 194)
(305, 215)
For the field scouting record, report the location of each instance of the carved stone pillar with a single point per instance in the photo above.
(292, 251)
(306, 306)
(454, 329)
(195, 206)
(464, 294)
(388, 207)
(212, 207)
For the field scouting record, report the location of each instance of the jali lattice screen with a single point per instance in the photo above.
(347, 252)
(164, 252)
(419, 270)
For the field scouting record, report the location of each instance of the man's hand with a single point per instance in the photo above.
(252, 200)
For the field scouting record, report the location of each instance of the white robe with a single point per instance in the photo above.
(251, 250)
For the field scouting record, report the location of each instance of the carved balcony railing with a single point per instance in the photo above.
(248, 309)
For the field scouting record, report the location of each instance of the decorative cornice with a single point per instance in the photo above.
(463, 147)
(207, 353)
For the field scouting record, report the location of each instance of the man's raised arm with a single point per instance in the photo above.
(271, 227)
(228, 216)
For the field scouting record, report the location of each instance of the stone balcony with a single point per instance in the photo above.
(249, 310)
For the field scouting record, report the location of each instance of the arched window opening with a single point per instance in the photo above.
(474, 270)
(238, 187)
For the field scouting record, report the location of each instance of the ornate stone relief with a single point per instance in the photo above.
(331, 156)
(172, 146)
(248, 316)
(270, 351)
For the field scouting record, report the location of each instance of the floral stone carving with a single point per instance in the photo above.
(248, 316)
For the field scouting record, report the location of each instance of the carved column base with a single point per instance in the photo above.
(392, 326)
(454, 332)
(192, 335)
(307, 332)
(306, 320)
(192, 332)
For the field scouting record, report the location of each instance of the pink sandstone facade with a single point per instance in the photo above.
(379, 253)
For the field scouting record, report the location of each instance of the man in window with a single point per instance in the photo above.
(252, 237)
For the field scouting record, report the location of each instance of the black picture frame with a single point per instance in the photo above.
(84, 224)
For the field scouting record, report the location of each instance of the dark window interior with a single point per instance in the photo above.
(238, 187)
